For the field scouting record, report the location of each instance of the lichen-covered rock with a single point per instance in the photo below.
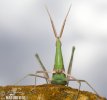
(47, 92)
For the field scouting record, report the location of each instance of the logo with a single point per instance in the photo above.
(13, 94)
(16, 98)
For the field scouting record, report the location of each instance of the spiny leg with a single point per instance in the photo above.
(73, 79)
(43, 67)
(47, 78)
(87, 84)
(70, 63)
(90, 87)
(27, 76)
(69, 74)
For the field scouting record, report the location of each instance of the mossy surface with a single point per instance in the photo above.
(47, 92)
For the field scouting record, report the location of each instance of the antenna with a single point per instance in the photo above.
(52, 23)
(63, 25)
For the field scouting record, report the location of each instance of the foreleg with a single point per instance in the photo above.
(47, 78)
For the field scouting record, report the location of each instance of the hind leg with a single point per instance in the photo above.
(80, 81)
(27, 76)
(78, 87)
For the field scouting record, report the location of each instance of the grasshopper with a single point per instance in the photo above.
(59, 76)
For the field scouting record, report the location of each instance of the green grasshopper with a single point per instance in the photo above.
(59, 76)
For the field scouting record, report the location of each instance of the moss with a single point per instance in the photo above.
(48, 92)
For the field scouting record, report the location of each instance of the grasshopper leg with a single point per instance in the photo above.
(90, 87)
(42, 65)
(78, 87)
(27, 76)
(46, 77)
(79, 81)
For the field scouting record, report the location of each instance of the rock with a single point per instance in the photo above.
(50, 92)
